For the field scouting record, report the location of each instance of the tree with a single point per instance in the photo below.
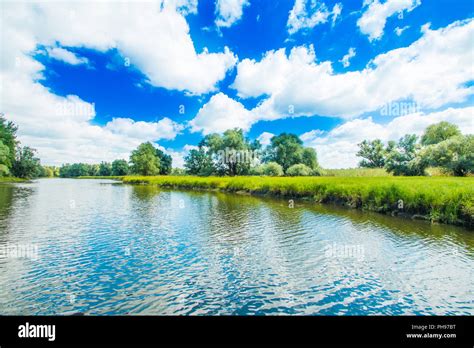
(105, 169)
(165, 162)
(119, 167)
(8, 138)
(26, 165)
(455, 155)
(439, 132)
(5, 163)
(373, 153)
(287, 149)
(299, 170)
(198, 162)
(403, 160)
(231, 153)
(144, 160)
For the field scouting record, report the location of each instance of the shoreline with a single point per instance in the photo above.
(438, 200)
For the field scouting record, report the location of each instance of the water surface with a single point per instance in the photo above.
(106, 248)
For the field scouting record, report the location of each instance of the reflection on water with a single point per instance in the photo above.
(107, 248)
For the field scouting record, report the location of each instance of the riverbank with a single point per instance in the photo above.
(437, 199)
(11, 179)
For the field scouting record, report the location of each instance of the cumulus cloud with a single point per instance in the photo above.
(432, 72)
(375, 14)
(338, 147)
(219, 114)
(265, 138)
(66, 56)
(61, 127)
(228, 12)
(151, 36)
(346, 59)
(307, 14)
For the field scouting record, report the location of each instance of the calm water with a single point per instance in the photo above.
(105, 248)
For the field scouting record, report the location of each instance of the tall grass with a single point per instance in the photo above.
(442, 199)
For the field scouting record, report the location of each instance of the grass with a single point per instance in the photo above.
(438, 199)
(356, 172)
(12, 179)
(101, 177)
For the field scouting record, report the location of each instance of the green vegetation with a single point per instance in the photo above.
(442, 145)
(438, 199)
(6, 179)
(15, 160)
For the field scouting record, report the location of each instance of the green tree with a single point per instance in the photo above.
(231, 153)
(403, 159)
(373, 153)
(8, 138)
(287, 149)
(4, 160)
(165, 162)
(272, 169)
(439, 132)
(119, 167)
(105, 169)
(455, 155)
(144, 160)
(198, 162)
(26, 165)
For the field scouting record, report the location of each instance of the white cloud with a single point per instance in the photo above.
(219, 114)
(228, 12)
(434, 71)
(338, 147)
(346, 59)
(265, 138)
(399, 31)
(152, 36)
(66, 56)
(60, 127)
(163, 129)
(306, 14)
(374, 18)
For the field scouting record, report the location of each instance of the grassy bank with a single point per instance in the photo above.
(101, 177)
(12, 179)
(438, 199)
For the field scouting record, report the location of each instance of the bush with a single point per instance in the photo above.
(272, 169)
(299, 170)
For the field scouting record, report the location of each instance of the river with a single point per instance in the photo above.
(99, 247)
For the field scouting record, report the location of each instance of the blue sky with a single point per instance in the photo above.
(170, 72)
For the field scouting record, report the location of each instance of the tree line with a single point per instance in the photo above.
(233, 154)
(145, 160)
(441, 145)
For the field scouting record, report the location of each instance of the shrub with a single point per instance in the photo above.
(299, 170)
(272, 169)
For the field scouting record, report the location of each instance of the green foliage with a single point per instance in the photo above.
(178, 171)
(198, 162)
(299, 170)
(356, 172)
(144, 160)
(26, 165)
(403, 160)
(75, 170)
(165, 162)
(439, 132)
(120, 167)
(373, 154)
(272, 169)
(455, 155)
(8, 138)
(105, 169)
